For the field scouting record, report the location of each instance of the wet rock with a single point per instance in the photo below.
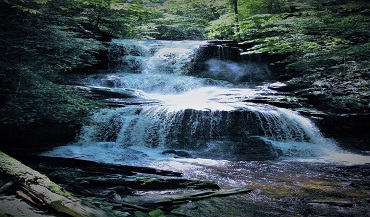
(177, 153)
(280, 86)
(279, 101)
(249, 149)
(311, 112)
(334, 203)
(360, 184)
(190, 205)
(13, 206)
(225, 51)
(105, 92)
(346, 125)
(111, 81)
(113, 97)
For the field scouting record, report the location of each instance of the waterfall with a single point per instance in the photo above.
(221, 52)
(173, 126)
(196, 113)
(186, 128)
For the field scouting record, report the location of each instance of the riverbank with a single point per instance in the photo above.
(257, 188)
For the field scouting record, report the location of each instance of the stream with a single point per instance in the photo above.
(170, 109)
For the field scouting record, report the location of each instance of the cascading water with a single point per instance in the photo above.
(204, 116)
(178, 111)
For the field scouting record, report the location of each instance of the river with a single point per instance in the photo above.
(196, 120)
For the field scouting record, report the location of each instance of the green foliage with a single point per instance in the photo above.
(326, 41)
(309, 33)
(153, 213)
(156, 213)
(222, 28)
(178, 19)
(140, 214)
(40, 39)
(179, 28)
(44, 47)
(39, 100)
(118, 18)
(36, 47)
(207, 10)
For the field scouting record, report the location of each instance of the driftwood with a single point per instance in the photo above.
(147, 183)
(41, 189)
(198, 196)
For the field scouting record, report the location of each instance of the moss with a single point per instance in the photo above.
(17, 170)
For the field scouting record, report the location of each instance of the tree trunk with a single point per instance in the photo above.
(236, 14)
(41, 190)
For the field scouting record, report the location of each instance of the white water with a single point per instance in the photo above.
(205, 117)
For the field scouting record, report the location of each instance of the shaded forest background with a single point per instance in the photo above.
(320, 48)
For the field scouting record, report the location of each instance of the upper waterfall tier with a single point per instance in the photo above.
(195, 58)
(153, 56)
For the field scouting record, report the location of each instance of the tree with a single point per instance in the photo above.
(117, 17)
(236, 14)
(241, 10)
(187, 19)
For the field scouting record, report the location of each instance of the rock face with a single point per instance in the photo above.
(222, 60)
(177, 153)
(349, 130)
(224, 50)
(250, 149)
(334, 123)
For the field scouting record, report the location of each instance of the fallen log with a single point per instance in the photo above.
(41, 189)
